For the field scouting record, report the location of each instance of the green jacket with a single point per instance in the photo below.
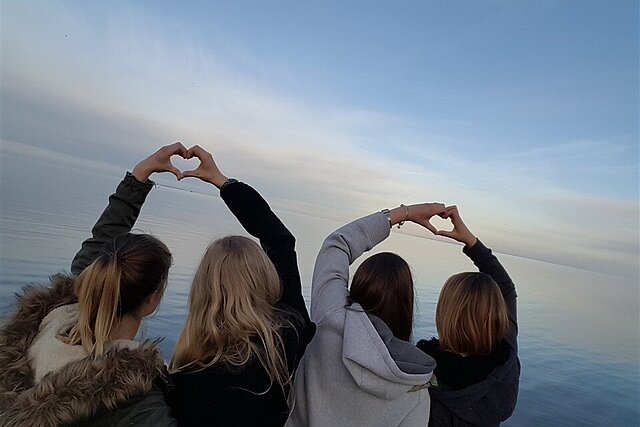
(125, 387)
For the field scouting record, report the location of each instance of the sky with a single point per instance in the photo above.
(524, 114)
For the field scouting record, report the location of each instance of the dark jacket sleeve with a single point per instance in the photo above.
(260, 221)
(487, 263)
(117, 219)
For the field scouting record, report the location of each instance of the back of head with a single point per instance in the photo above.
(471, 316)
(117, 283)
(232, 318)
(383, 286)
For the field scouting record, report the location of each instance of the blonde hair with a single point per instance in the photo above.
(471, 316)
(232, 318)
(115, 284)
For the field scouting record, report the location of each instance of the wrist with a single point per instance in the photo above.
(218, 181)
(470, 240)
(141, 173)
(399, 215)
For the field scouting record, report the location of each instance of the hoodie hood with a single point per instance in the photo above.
(81, 389)
(379, 363)
(487, 402)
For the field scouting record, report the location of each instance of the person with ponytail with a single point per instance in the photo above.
(247, 325)
(67, 354)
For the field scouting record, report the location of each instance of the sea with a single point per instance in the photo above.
(578, 329)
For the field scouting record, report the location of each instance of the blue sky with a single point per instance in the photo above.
(525, 114)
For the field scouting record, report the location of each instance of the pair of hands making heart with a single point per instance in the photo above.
(160, 161)
(208, 171)
(423, 212)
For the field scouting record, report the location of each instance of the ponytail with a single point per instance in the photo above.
(115, 284)
(98, 291)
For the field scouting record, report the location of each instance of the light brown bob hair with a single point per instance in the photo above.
(383, 286)
(471, 316)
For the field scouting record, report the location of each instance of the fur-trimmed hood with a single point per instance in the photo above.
(81, 390)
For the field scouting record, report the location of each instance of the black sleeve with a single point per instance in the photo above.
(117, 219)
(487, 263)
(260, 221)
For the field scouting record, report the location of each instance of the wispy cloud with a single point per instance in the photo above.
(154, 85)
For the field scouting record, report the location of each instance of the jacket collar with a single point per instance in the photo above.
(79, 390)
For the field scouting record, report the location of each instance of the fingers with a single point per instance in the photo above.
(174, 170)
(195, 173)
(449, 212)
(197, 151)
(176, 148)
(437, 208)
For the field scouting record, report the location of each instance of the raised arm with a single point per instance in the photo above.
(255, 215)
(124, 205)
(487, 263)
(329, 289)
(330, 283)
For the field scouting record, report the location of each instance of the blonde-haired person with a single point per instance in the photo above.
(477, 370)
(247, 325)
(68, 355)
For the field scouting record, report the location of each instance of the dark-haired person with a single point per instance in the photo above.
(477, 368)
(361, 369)
(67, 354)
(348, 375)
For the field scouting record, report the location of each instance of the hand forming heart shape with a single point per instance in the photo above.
(161, 161)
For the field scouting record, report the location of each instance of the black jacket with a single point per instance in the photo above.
(493, 398)
(217, 396)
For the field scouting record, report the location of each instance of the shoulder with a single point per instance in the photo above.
(150, 409)
(76, 392)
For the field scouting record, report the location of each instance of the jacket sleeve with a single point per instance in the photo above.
(117, 219)
(329, 287)
(487, 263)
(151, 410)
(257, 218)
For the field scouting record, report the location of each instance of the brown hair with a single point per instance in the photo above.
(471, 316)
(115, 284)
(383, 286)
(232, 318)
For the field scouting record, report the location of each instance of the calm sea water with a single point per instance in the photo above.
(579, 330)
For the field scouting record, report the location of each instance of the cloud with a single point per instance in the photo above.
(154, 85)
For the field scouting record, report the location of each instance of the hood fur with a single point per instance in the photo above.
(18, 331)
(81, 389)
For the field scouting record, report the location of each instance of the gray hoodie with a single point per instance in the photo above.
(354, 372)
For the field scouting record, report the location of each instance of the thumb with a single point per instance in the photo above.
(195, 173)
(174, 170)
(426, 224)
